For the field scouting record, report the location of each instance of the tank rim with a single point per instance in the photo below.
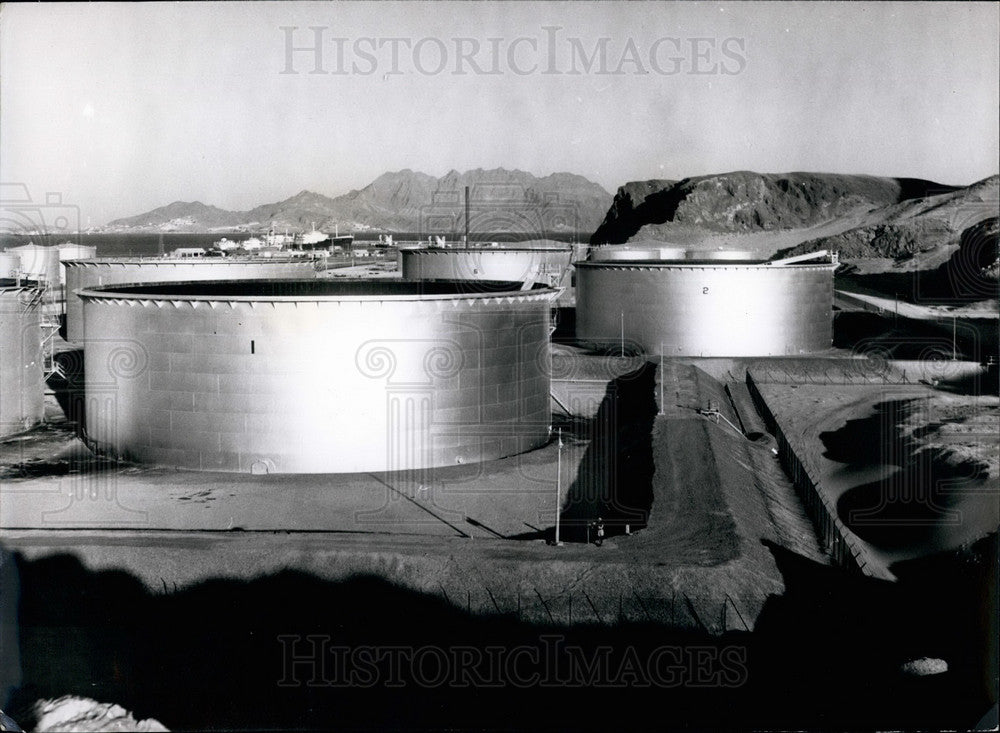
(115, 293)
(700, 265)
(96, 261)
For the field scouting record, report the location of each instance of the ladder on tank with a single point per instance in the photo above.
(40, 298)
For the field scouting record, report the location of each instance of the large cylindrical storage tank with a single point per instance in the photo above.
(724, 309)
(39, 263)
(317, 376)
(114, 270)
(10, 265)
(22, 386)
(548, 265)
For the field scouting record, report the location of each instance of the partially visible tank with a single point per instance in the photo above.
(614, 252)
(10, 265)
(39, 263)
(544, 264)
(640, 252)
(706, 309)
(73, 251)
(22, 386)
(100, 271)
(317, 376)
(713, 255)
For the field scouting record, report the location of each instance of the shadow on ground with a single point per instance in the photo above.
(614, 478)
(936, 500)
(292, 651)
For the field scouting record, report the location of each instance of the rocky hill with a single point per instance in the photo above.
(928, 229)
(896, 223)
(744, 201)
(409, 201)
(181, 216)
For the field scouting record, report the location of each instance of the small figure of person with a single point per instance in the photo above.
(599, 526)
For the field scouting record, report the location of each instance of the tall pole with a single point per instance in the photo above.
(661, 377)
(558, 487)
(466, 217)
(623, 334)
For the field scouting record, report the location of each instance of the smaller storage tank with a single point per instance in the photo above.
(613, 252)
(22, 387)
(73, 251)
(537, 263)
(39, 263)
(10, 265)
(706, 307)
(727, 255)
(100, 271)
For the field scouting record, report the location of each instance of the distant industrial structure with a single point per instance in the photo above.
(22, 386)
(95, 272)
(707, 304)
(317, 376)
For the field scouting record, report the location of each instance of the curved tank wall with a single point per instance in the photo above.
(10, 264)
(548, 265)
(706, 310)
(112, 271)
(22, 387)
(317, 376)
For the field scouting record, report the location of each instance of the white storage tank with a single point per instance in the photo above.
(10, 265)
(39, 263)
(22, 386)
(706, 308)
(544, 264)
(317, 376)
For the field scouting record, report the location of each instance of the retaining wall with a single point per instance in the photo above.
(843, 545)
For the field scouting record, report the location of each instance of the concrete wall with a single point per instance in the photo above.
(22, 388)
(843, 545)
(321, 383)
(112, 271)
(706, 310)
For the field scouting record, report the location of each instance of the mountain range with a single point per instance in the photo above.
(407, 201)
(898, 224)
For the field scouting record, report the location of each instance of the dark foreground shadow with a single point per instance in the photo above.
(854, 633)
(292, 651)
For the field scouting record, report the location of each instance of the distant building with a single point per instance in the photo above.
(188, 252)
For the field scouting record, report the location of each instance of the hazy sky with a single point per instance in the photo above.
(122, 108)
